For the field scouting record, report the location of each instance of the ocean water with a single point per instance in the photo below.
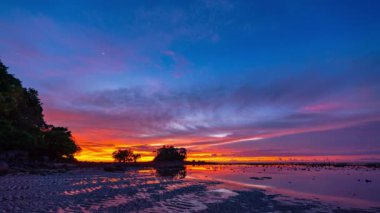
(350, 186)
(207, 188)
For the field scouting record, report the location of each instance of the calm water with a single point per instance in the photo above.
(352, 186)
(233, 188)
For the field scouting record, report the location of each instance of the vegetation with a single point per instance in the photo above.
(170, 153)
(135, 157)
(22, 125)
(125, 155)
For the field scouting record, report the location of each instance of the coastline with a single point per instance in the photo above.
(146, 189)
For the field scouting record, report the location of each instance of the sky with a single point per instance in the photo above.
(231, 81)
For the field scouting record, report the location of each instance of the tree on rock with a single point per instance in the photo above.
(170, 153)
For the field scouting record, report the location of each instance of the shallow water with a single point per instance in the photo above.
(194, 189)
(352, 186)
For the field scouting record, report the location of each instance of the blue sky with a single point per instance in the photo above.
(128, 73)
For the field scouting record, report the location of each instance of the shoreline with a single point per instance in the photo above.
(178, 163)
(93, 189)
(35, 167)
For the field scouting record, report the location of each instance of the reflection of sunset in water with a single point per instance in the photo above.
(196, 188)
(353, 185)
(215, 86)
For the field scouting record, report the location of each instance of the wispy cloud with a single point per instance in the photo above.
(214, 76)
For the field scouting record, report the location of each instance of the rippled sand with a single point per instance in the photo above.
(93, 190)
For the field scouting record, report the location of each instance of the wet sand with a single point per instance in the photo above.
(195, 189)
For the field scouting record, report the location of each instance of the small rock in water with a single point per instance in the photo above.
(260, 178)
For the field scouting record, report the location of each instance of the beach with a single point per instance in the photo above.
(205, 188)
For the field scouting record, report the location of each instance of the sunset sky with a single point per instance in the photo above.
(228, 80)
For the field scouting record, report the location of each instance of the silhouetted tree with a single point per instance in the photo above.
(170, 153)
(59, 143)
(135, 157)
(123, 155)
(22, 125)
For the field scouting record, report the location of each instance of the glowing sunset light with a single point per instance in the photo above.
(220, 135)
(229, 81)
(323, 107)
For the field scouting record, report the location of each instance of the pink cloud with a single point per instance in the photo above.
(322, 107)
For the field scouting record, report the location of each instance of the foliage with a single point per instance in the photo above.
(135, 157)
(22, 125)
(170, 153)
(59, 142)
(125, 155)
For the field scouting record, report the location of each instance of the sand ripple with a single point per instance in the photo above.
(133, 191)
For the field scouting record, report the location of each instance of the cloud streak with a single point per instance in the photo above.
(218, 77)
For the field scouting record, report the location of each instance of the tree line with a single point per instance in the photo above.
(23, 128)
(22, 124)
(165, 153)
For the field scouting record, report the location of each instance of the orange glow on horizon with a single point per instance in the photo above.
(98, 143)
(106, 156)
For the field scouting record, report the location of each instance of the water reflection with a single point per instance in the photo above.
(171, 172)
(350, 185)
